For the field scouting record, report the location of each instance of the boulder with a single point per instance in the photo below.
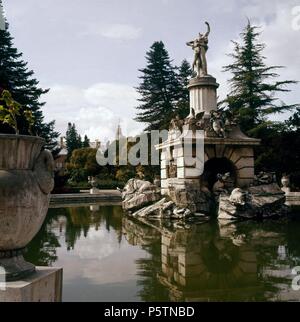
(154, 210)
(139, 193)
(258, 202)
(163, 209)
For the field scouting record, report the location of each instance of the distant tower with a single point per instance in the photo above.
(3, 24)
(119, 134)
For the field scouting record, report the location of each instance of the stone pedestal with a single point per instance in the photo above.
(45, 285)
(203, 94)
(94, 191)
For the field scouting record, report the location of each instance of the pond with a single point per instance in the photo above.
(107, 256)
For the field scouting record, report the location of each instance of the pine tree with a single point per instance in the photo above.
(252, 95)
(159, 89)
(73, 139)
(185, 72)
(19, 80)
(86, 142)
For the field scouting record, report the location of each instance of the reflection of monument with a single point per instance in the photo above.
(222, 261)
(184, 172)
(207, 267)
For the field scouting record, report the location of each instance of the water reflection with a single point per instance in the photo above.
(107, 256)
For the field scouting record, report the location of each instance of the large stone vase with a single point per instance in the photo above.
(26, 180)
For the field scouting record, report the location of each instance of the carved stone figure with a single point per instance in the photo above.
(264, 178)
(220, 185)
(176, 124)
(195, 121)
(238, 196)
(200, 47)
(217, 124)
(285, 181)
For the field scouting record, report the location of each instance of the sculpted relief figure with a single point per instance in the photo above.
(200, 47)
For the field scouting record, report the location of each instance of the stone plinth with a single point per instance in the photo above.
(45, 285)
(203, 94)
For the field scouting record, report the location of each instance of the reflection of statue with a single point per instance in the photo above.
(200, 47)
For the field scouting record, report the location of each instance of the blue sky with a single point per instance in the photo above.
(89, 51)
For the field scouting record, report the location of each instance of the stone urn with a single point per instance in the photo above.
(26, 180)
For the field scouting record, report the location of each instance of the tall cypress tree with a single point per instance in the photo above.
(86, 142)
(185, 72)
(253, 88)
(159, 89)
(73, 139)
(19, 80)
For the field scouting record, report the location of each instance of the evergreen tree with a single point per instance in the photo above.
(15, 77)
(253, 88)
(159, 89)
(86, 142)
(73, 139)
(185, 72)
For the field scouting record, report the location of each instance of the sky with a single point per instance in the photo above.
(88, 52)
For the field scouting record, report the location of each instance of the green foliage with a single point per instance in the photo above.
(279, 151)
(159, 89)
(11, 109)
(82, 164)
(252, 96)
(124, 173)
(24, 88)
(163, 89)
(73, 139)
(86, 142)
(185, 72)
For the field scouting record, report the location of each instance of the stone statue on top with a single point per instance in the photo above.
(200, 47)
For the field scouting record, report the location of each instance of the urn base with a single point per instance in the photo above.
(14, 267)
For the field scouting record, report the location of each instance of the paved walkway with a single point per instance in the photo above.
(102, 196)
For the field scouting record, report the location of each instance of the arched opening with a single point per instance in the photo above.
(216, 166)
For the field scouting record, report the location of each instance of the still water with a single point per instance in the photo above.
(107, 256)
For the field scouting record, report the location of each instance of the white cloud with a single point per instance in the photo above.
(113, 31)
(282, 47)
(95, 110)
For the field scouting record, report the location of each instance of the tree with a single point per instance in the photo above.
(24, 88)
(253, 88)
(73, 139)
(86, 142)
(159, 89)
(185, 72)
(83, 163)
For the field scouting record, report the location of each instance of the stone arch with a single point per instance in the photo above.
(214, 166)
(241, 156)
